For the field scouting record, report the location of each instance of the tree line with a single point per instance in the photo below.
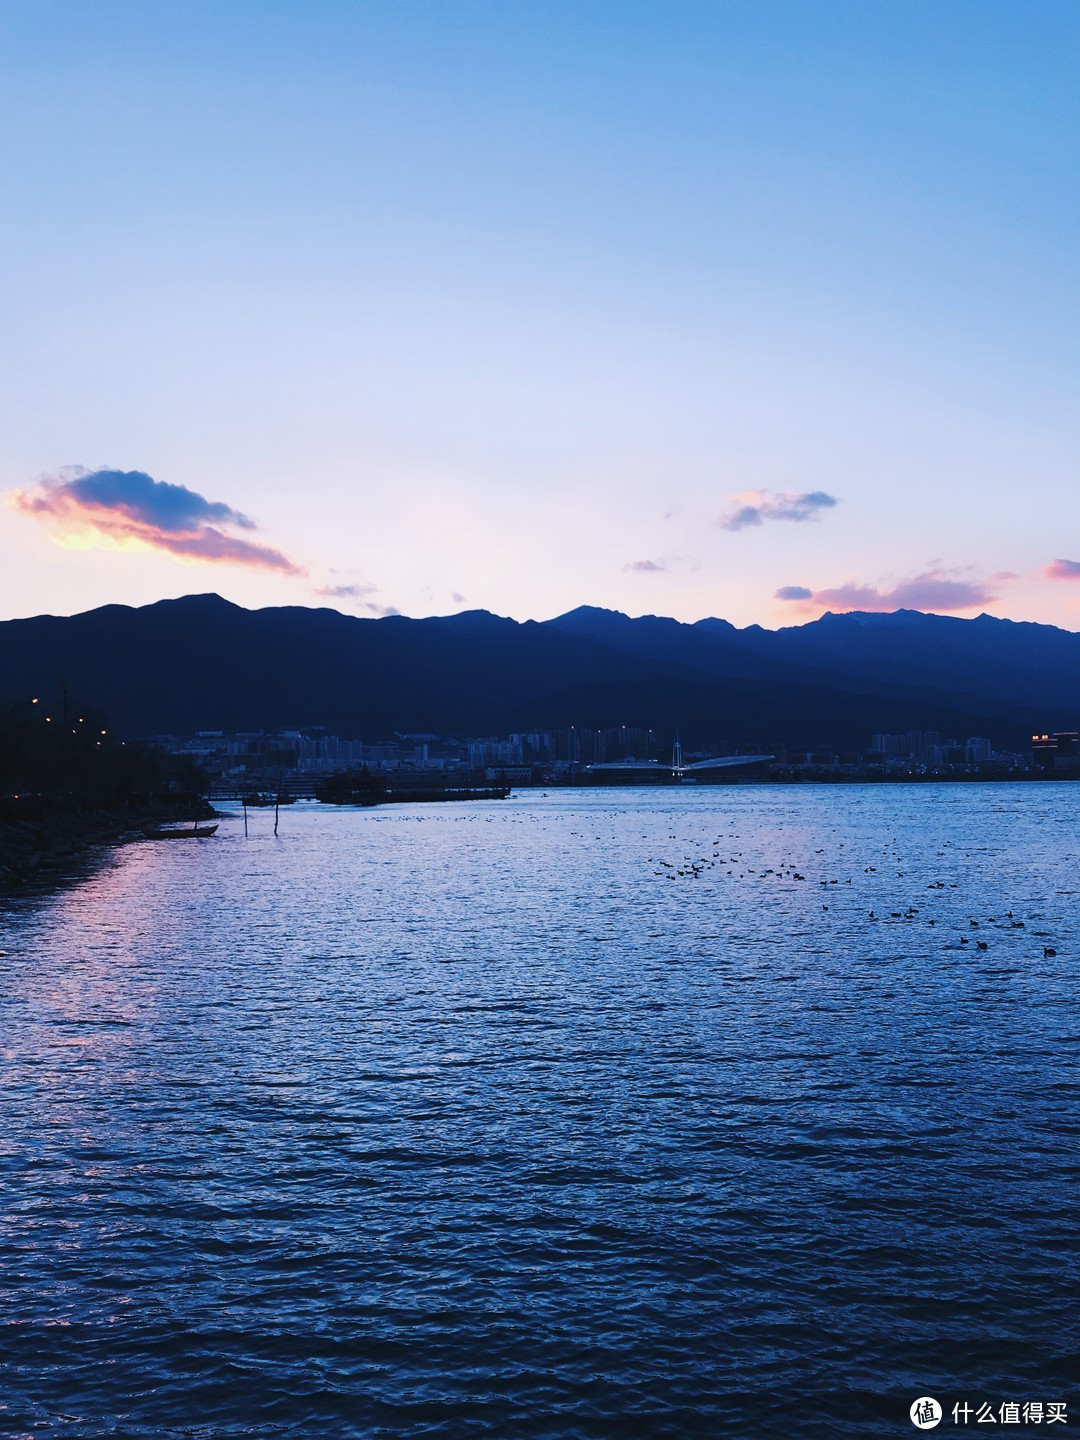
(61, 758)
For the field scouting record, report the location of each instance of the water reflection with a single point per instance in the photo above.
(575, 1115)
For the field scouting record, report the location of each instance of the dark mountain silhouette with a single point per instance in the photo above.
(202, 663)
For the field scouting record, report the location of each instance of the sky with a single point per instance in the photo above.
(744, 308)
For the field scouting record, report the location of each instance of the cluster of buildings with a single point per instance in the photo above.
(551, 756)
(926, 747)
(538, 755)
(574, 745)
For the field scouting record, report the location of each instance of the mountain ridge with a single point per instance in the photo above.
(203, 662)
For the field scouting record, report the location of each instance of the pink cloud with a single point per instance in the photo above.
(1062, 570)
(933, 590)
(131, 509)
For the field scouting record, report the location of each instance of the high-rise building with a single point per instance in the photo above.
(976, 749)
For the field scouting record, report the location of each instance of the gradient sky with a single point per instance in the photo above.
(744, 308)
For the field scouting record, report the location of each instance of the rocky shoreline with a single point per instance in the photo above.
(31, 848)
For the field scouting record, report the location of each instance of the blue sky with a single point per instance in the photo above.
(519, 305)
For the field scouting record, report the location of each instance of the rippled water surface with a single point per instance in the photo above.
(609, 1113)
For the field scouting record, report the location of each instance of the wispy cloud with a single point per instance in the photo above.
(1062, 570)
(358, 592)
(662, 566)
(128, 509)
(935, 590)
(754, 507)
(344, 592)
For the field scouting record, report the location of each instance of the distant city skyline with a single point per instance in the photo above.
(753, 310)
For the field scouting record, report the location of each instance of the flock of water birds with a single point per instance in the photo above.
(721, 855)
(734, 866)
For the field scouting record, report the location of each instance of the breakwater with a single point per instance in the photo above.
(30, 848)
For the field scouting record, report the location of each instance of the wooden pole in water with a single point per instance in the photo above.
(243, 800)
(277, 806)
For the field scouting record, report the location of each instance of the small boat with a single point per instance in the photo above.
(197, 833)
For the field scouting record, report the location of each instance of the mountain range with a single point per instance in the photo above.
(203, 663)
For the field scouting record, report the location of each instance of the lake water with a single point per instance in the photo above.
(485, 1121)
